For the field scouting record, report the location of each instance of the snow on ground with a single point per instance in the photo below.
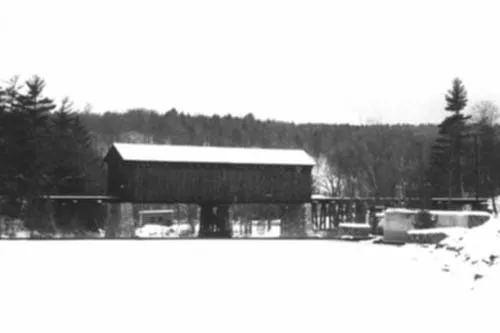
(469, 255)
(224, 286)
(259, 229)
(156, 231)
(162, 231)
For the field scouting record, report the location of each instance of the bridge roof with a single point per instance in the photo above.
(213, 155)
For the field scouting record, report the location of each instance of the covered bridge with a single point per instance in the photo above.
(212, 177)
(218, 175)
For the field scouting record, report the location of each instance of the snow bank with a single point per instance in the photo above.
(398, 222)
(489, 286)
(476, 244)
(433, 235)
(470, 254)
(350, 231)
(20, 234)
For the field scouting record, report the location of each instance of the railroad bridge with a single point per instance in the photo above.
(329, 212)
(217, 177)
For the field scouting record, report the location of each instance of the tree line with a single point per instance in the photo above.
(47, 147)
(464, 157)
(455, 158)
(368, 160)
(44, 149)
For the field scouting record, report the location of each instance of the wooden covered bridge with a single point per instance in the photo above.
(213, 178)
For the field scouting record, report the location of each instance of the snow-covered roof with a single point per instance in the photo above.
(209, 154)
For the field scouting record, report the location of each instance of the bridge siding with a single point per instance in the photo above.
(215, 183)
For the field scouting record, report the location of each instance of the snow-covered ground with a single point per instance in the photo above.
(259, 229)
(469, 254)
(161, 231)
(472, 258)
(226, 286)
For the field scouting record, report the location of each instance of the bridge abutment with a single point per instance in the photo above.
(120, 220)
(214, 221)
(296, 220)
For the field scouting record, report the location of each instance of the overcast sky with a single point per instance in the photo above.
(303, 61)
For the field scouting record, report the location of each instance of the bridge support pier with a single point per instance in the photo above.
(119, 220)
(214, 221)
(296, 220)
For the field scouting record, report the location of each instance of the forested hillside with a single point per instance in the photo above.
(455, 158)
(352, 160)
(47, 147)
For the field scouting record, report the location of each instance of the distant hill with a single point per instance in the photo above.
(367, 159)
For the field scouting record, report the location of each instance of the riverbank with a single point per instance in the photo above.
(223, 285)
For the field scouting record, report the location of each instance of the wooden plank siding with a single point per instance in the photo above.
(116, 173)
(207, 183)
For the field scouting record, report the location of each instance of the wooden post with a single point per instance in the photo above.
(331, 210)
(314, 214)
(338, 214)
(323, 215)
(345, 211)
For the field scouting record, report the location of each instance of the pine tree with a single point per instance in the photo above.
(90, 162)
(11, 124)
(448, 150)
(3, 124)
(35, 134)
(65, 162)
(456, 99)
(3, 139)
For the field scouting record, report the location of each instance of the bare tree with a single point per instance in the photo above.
(135, 137)
(485, 116)
(326, 180)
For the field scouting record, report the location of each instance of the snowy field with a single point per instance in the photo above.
(229, 286)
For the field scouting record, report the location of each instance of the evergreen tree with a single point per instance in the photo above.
(446, 174)
(33, 134)
(66, 172)
(3, 139)
(11, 124)
(3, 124)
(34, 144)
(456, 99)
(93, 180)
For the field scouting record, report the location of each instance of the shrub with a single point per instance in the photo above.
(424, 220)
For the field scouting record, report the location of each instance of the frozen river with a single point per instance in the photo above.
(223, 286)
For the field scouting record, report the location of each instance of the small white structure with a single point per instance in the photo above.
(398, 221)
(160, 217)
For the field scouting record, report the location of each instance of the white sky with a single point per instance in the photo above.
(302, 61)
